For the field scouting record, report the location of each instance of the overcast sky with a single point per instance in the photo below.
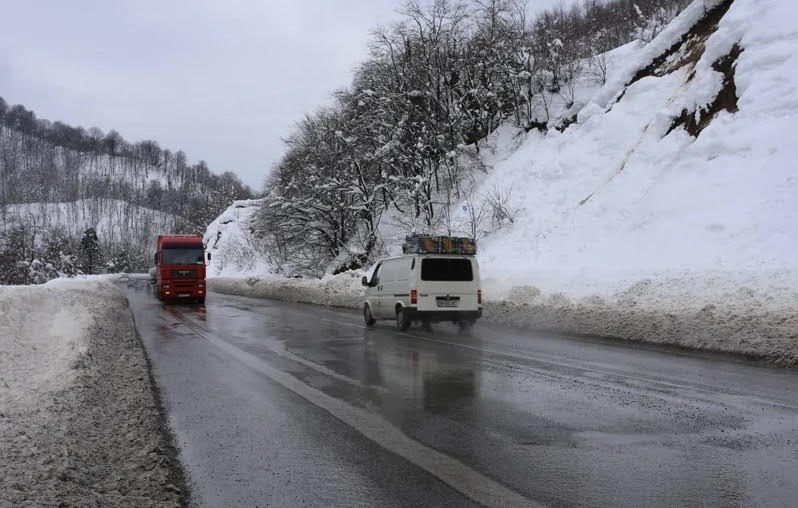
(222, 80)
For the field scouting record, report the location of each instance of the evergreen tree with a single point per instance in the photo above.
(16, 253)
(90, 252)
(122, 260)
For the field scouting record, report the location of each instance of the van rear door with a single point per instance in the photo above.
(448, 283)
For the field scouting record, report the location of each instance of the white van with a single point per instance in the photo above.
(424, 288)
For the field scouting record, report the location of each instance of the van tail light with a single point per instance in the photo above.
(413, 296)
(479, 296)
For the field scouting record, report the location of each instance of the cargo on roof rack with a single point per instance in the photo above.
(428, 244)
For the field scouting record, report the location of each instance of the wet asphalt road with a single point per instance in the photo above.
(278, 404)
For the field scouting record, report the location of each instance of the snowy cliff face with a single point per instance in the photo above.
(234, 249)
(685, 160)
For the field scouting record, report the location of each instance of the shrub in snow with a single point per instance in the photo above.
(29, 256)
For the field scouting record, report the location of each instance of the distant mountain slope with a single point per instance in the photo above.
(114, 220)
(61, 180)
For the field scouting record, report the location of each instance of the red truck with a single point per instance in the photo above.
(179, 270)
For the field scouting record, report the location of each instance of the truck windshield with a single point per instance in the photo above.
(187, 255)
(450, 270)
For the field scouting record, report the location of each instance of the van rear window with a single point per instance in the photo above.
(442, 269)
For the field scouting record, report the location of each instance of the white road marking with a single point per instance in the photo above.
(454, 473)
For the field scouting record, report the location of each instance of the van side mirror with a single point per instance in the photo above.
(364, 281)
(209, 256)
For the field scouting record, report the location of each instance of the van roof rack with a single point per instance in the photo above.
(435, 244)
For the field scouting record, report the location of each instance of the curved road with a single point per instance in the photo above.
(279, 404)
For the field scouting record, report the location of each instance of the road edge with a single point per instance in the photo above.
(178, 474)
(691, 332)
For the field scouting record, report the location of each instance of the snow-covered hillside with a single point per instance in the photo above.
(626, 189)
(58, 181)
(114, 220)
(659, 207)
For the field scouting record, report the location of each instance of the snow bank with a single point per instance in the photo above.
(342, 290)
(725, 312)
(79, 421)
(752, 314)
(42, 335)
(234, 249)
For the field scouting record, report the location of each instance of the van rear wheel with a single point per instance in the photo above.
(402, 320)
(367, 317)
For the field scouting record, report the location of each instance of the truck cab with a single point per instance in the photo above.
(180, 268)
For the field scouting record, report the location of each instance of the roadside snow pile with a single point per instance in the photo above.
(79, 421)
(42, 335)
(752, 314)
(342, 290)
(234, 250)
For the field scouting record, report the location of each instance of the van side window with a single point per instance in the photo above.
(375, 277)
(413, 264)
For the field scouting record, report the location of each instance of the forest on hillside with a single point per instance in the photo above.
(397, 140)
(61, 184)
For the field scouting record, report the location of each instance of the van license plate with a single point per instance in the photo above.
(184, 295)
(447, 303)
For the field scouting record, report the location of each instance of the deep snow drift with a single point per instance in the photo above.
(664, 212)
(79, 421)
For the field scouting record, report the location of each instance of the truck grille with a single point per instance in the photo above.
(184, 274)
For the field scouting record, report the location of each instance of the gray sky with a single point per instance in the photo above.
(221, 80)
